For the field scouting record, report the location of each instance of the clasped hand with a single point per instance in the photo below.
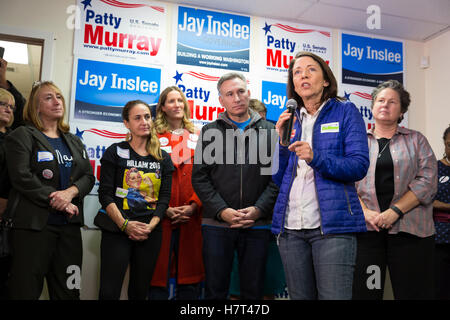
(241, 218)
(383, 220)
(181, 214)
(139, 231)
(62, 201)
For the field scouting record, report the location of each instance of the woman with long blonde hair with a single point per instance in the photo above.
(180, 256)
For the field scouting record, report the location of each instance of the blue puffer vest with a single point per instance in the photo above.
(341, 157)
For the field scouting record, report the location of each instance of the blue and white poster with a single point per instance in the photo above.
(213, 39)
(370, 61)
(103, 88)
(273, 95)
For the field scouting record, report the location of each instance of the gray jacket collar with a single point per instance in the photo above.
(254, 117)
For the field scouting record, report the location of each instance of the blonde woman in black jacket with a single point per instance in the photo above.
(50, 174)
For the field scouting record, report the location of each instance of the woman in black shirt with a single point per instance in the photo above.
(134, 191)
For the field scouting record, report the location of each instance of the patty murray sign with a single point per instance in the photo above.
(122, 29)
(213, 39)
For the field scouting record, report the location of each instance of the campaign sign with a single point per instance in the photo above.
(96, 139)
(121, 29)
(281, 42)
(213, 39)
(102, 89)
(370, 61)
(274, 97)
(200, 89)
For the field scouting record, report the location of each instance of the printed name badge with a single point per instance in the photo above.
(329, 127)
(167, 149)
(44, 156)
(191, 144)
(121, 193)
(123, 153)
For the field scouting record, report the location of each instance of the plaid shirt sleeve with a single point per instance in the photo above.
(415, 169)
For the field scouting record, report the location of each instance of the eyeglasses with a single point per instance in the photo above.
(6, 105)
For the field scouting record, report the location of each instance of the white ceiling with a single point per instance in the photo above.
(418, 20)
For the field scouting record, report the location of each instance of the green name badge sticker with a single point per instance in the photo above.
(121, 193)
(329, 127)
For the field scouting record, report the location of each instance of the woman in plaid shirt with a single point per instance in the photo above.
(397, 199)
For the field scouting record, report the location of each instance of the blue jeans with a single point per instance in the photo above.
(218, 253)
(318, 266)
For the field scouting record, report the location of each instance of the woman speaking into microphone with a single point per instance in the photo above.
(317, 210)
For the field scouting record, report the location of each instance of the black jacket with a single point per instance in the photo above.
(235, 175)
(5, 184)
(29, 197)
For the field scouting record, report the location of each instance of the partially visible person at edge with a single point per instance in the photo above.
(274, 280)
(317, 212)
(134, 192)
(397, 199)
(237, 195)
(50, 175)
(7, 108)
(180, 256)
(18, 98)
(441, 215)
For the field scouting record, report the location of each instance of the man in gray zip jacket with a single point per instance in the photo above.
(232, 178)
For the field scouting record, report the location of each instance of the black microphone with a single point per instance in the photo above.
(291, 105)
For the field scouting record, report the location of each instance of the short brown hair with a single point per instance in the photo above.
(328, 92)
(257, 105)
(404, 96)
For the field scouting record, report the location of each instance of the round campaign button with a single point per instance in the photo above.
(163, 141)
(193, 137)
(47, 174)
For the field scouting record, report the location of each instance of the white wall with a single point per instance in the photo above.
(437, 103)
(429, 111)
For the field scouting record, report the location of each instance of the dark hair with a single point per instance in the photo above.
(446, 132)
(129, 105)
(153, 145)
(405, 99)
(328, 92)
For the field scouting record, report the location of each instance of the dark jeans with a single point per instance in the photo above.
(410, 261)
(52, 254)
(116, 252)
(442, 263)
(218, 253)
(182, 291)
(5, 263)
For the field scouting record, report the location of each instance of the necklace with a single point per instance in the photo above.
(446, 160)
(381, 152)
